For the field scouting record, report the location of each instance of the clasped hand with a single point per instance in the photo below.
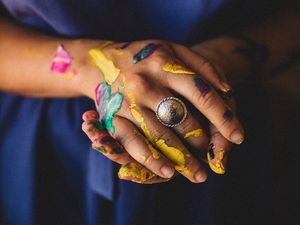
(125, 128)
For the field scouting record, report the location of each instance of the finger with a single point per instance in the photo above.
(202, 66)
(176, 152)
(132, 170)
(169, 144)
(90, 115)
(210, 104)
(218, 151)
(137, 173)
(219, 147)
(140, 149)
(213, 75)
(189, 130)
(104, 143)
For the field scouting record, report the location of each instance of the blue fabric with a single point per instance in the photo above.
(46, 178)
(48, 172)
(115, 19)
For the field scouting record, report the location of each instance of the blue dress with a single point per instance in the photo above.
(50, 175)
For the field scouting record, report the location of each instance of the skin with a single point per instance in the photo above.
(135, 172)
(132, 171)
(147, 78)
(233, 67)
(186, 164)
(24, 81)
(106, 66)
(280, 34)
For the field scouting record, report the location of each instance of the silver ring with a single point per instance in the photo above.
(171, 111)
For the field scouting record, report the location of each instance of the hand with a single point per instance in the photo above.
(159, 71)
(224, 55)
(106, 144)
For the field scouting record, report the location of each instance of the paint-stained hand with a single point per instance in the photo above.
(104, 143)
(136, 77)
(232, 67)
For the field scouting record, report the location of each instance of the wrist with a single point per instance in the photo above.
(240, 57)
(223, 53)
(88, 76)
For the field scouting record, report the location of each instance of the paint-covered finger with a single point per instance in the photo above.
(90, 115)
(141, 149)
(201, 65)
(131, 171)
(189, 129)
(210, 104)
(104, 143)
(176, 152)
(218, 151)
(137, 173)
(169, 145)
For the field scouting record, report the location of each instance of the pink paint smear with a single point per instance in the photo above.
(61, 60)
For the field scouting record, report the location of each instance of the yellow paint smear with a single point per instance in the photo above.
(195, 133)
(172, 67)
(106, 66)
(136, 172)
(155, 153)
(174, 154)
(218, 166)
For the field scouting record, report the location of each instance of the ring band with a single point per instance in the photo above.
(171, 111)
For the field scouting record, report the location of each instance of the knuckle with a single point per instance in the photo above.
(190, 165)
(205, 64)
(139, 84)
(187, 125)
(127, 139)
(227, 125)
(157, 61)
(207, 102)
(147, 158)
(224, 123)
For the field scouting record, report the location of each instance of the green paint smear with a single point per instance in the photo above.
(99, 125)
(113, 106)
(110, 104)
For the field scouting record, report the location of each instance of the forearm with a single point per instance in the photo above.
(26, 57)
(279, 37)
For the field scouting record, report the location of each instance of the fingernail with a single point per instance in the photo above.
(237, 137)
(225, 87)
(167, 171)
(217, 165)
(85, 117)
(200, 176)
(227, 94)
